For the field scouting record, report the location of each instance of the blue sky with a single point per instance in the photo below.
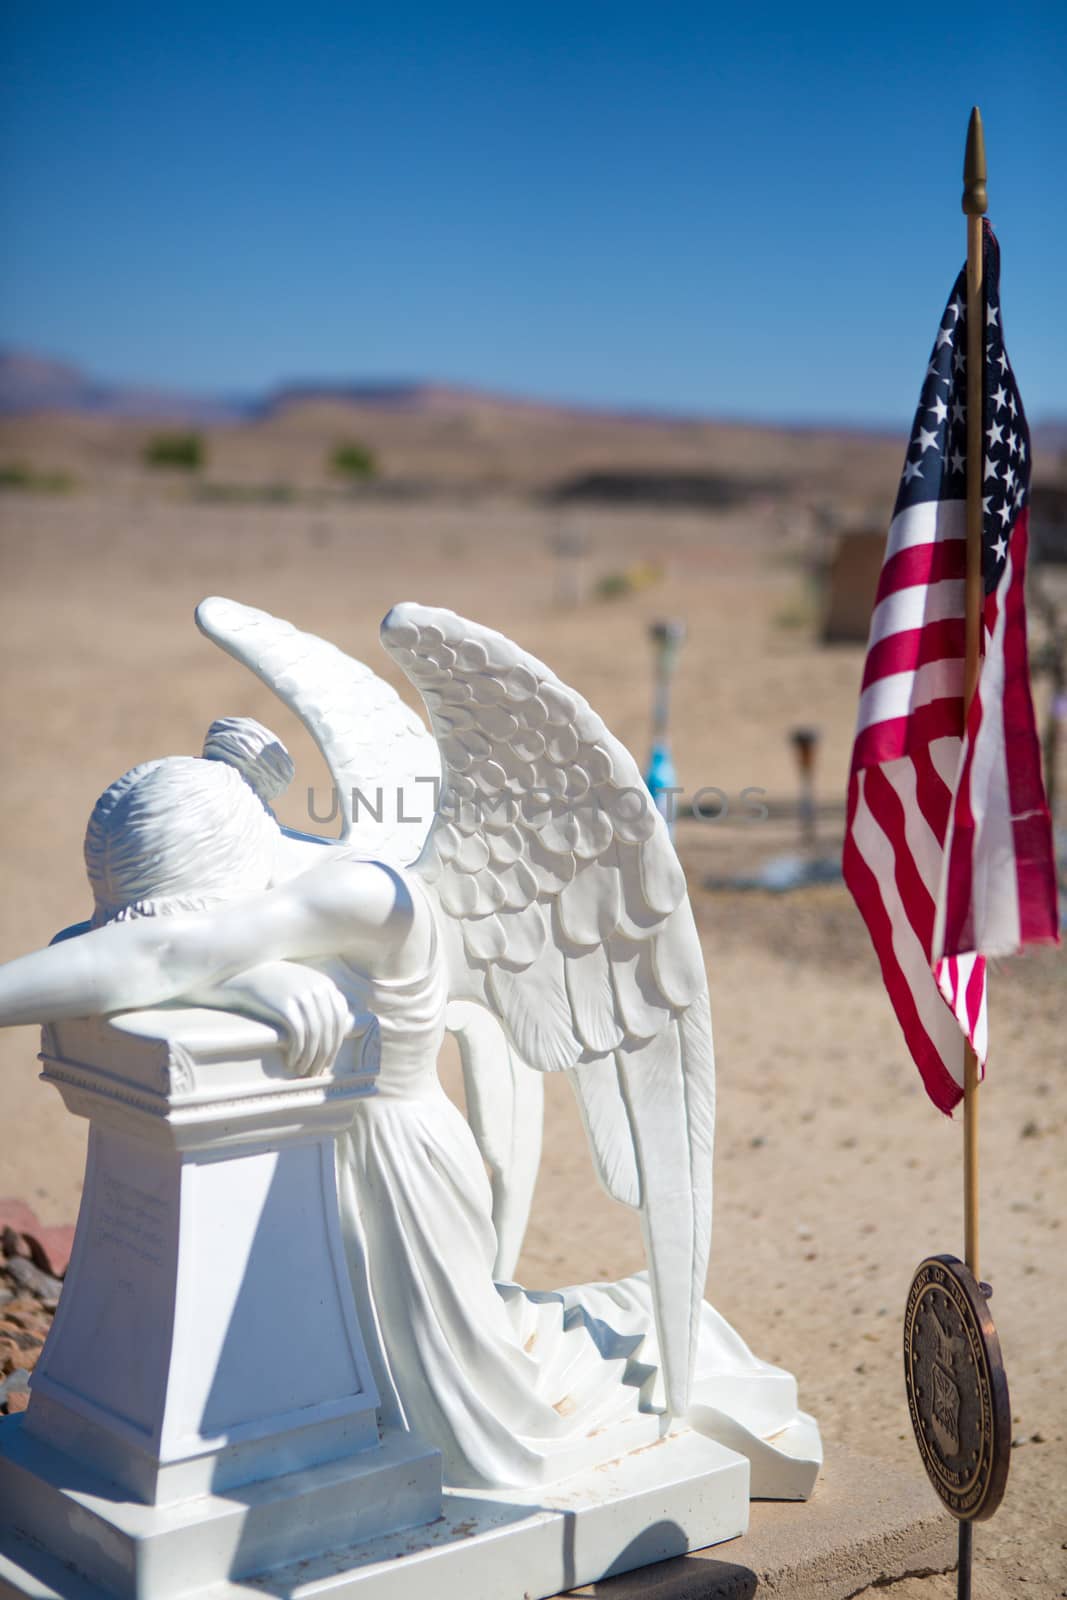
(746, 211)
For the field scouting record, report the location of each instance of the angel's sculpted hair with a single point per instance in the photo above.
(256, 752)
(180, 834)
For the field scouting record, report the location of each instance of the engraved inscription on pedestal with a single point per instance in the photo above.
(117, 1355)
(133, 1220)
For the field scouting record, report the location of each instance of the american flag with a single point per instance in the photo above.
(948, 844)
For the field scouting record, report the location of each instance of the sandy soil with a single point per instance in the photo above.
(834, 1174)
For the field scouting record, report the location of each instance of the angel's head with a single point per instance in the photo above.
(189, 832)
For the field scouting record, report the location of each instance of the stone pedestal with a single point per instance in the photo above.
(204, 1405)
(204, 1420)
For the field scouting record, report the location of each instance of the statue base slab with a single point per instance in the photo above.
(683, 1493)
(868, 1523)
(108, 1545)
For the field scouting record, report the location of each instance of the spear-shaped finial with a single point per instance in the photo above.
(975, 199)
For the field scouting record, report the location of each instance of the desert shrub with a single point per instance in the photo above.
(184, 451)
(631, 580)
(353, 460)
(16, 475)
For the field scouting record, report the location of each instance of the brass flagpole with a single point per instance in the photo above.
(975, 204)
(953, 1371)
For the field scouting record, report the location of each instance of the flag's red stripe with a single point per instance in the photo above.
(914, 648)
(975, 996)
(923, 564)
(940, 1085)
(887, 809)
(900, 736)
(959, 886)
(932, 793)
(1031, 823)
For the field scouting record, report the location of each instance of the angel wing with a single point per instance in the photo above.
(382, 758)
(564, 911)
(386, 767)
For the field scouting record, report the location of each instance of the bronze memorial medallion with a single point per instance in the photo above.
(957, 1390)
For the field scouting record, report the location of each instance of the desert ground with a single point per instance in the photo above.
(834, 1174)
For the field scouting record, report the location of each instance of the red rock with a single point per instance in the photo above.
(50, 1247)
(16, 1214)
(28, 1315)
(24, 1234)
(10, 1356)
(13, 1244)
(18, 1401)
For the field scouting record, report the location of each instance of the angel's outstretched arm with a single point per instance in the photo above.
(356, 908)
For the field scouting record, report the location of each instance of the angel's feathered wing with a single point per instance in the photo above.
(565, 912)
(382, 758)
(377, 748)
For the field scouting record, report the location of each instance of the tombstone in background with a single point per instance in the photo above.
(570, 546)
(850, 583)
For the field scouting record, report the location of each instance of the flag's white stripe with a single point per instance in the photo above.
(926, 523)
(981, 1028)
(956, 995)
(995, 889)
(967, 965)
(913, 607)
(901, 693)
(957, 999)
(936, 1018)
(927, 854)
(922, 841)
(946, 755)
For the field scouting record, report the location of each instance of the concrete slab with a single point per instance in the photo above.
(865, 1524)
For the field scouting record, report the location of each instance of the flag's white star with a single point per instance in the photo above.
(940, 410)
(912, 469)
(927, 438)
(959, 413)
(957, 361)
(958, 462)
(1012, 407)
(1020, 496)
(1000, 549)
(1009, 477)
(956, 308)
(987, 501)
(932, 372)
(944, 336)
(1022, 449)
(1011, 444)
(1004, 513)
(992, 470)
(991, 315)
(999, 398)
(994, 434)
(1002, 362)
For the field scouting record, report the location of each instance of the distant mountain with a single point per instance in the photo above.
(388, 394)
(31, 383)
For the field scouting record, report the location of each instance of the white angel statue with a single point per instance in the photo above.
(541, 914)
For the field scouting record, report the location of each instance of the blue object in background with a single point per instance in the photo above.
(662, 779)
(667, 639)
